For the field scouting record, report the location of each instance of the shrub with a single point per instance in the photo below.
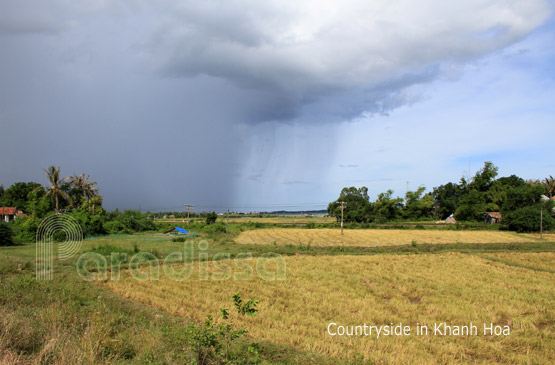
(91, 224)
(215, 228)
(211, 218)
(212, 341)
(25, 229)
(114, 227)
(527, 219)
(133, 221)
(6, 234)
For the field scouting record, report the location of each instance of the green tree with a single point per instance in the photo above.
(472, 206)
(211, 218)
(527, 219)
(387, 208)
(522, 196)
(446, 198)
(418, 205)
(549, 184)
(55, 191)
(357, 208)
(82, 189)
(6, 234)
(496, 195)
(38, 204)
(75, 188)
(133, 220)
(485, 177)
(17, 195)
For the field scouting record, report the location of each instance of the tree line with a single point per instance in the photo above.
(519, 201)
(75, 195)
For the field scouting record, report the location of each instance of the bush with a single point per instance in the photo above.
(211, 218)
(215, 228)
(133, 221)
(25, 229)
(527, 219)
(6, 234)
(92, 225)
(114, 227)
(213, 341)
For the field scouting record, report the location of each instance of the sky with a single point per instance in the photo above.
(270, 105)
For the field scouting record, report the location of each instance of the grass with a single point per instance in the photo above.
(70, 320)
(353, 290)
(374, 237)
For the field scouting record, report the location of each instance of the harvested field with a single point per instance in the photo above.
(454, 288)
(374, 237)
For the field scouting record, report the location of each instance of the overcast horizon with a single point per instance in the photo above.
(276, 105)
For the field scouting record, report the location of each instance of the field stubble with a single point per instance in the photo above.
(375, 290)
(374, 237)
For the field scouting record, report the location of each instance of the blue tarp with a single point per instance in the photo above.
(180, 230)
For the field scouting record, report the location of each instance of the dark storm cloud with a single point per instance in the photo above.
(21, 17)
(327, 57)
(157, 99)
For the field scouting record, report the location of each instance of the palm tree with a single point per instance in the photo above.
(549, 184)
(55, 191)
(78, 182)
(90, 191)
(85, 187)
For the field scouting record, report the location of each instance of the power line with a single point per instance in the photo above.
(189, 208)
(342, 207)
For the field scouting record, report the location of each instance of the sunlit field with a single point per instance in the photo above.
(375, 290)
(546, 236)
(543, 260)
(374, 237)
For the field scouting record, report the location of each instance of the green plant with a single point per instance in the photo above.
(527, 219)
(212, 341)
(211, 218)
(6, 234)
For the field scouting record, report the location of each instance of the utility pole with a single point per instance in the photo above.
(342, 208)
(189, 208)
(226, 224)
(541, 223)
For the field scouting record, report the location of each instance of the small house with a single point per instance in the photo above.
(8, 213)
(493, 217)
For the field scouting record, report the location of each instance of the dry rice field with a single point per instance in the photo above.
(546, 236)
(378, 290)
(373, 237)
(541, 260)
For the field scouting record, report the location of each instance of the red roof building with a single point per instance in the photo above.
(8, 213)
